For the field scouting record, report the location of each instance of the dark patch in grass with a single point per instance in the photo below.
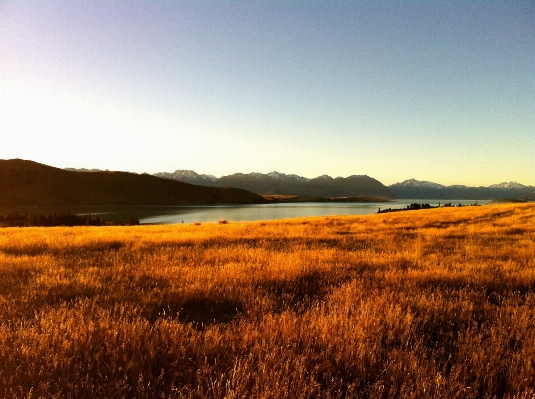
(20, 274)
(442, 247)
(405, 264)
(100, 246)
(203, 310)
(449, 283)
(347, 241)
(27, 250)
(67, 293)
(513, 231)
(146, 282)
(406, 234)
(200, 310)
(298, 293)
(14, 280)
(40, 249)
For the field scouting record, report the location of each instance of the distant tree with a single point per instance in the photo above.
(133, 222)
(14, 219)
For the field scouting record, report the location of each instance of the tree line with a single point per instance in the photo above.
(16, 219)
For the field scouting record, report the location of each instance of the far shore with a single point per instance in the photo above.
(275, 198)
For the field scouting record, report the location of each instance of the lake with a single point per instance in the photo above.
(239, 213)
(231, 213)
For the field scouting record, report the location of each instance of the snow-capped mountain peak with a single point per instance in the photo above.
(419, 183)
(193, 175)
(511, 184)
(187, 175)
(277, 175)
(299, 178)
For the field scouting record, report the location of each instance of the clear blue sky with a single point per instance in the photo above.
(432, 90)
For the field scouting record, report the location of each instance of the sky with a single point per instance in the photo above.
(442, 91)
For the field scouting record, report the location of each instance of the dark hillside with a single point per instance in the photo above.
(263, 184)
(352, 186)
(30, 183)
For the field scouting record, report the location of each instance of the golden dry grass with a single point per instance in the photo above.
(425, 304)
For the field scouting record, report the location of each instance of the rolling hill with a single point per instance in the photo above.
(28, 183)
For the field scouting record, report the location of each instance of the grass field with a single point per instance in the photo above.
(423, 304)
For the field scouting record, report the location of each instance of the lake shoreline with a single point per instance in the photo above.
(232, 213)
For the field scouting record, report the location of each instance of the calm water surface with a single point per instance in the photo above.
(192, 214)
(203, 214)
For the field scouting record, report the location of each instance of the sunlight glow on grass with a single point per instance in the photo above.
(432, 303)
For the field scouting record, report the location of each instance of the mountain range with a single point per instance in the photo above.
(326, 186)
(30, 183)
(428, 190)
(283, 184)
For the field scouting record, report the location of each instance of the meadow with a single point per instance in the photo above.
(433, 303)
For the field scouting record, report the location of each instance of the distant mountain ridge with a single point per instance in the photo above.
(413, 188)
(510, 185)
(28, 183)
(418, 183)
(189, 176)
(352, 186)
(289, 184)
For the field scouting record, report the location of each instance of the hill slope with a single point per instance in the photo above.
(30, 183)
